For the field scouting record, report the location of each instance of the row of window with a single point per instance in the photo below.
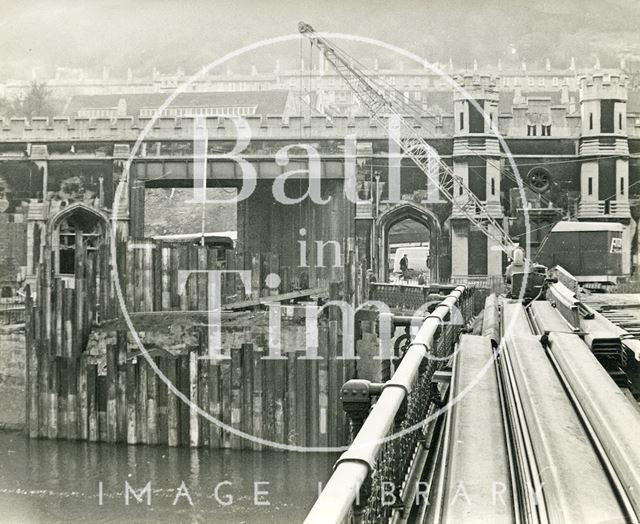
(205, 111)
(481, 197)
(531, 81)
(476, 118)
(590, 186)
(174, 111)
(416, 95)
(532, 130)
(607, 108)
(97, 113)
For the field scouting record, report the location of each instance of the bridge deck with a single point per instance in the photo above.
(573, 482)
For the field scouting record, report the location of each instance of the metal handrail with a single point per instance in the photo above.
(356, 463)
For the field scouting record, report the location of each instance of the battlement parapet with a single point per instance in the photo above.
(476, 86)
(603, 86)
(129, 129)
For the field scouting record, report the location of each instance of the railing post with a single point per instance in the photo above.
(360, 504)
(356, 396)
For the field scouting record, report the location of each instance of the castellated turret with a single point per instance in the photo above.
(603, 102)
(476, 164)
(468, 116)
(604, 152)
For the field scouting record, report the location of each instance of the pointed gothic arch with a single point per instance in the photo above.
(81, 219)
(395, 215)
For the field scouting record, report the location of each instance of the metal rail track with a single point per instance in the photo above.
(586, 464)
(533, 509)
(612, 421)
(571, 433)
(477, 452)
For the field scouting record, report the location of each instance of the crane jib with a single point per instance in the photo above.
(413, 145)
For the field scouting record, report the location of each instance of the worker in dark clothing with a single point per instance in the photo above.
(371, 279)
(404, 266)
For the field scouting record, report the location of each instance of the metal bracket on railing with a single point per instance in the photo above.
(424, 364)
(407, 320)
(442, 376)
(402, 409)
(356, 396)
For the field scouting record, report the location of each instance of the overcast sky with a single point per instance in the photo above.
(141, 34)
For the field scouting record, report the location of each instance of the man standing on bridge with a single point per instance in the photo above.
(517, 261)
(371, 279)
(404, 265)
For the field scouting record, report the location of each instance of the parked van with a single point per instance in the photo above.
(417, 258)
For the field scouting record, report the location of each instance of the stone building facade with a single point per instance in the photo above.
(575, 150)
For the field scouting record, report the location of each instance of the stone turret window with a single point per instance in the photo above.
(546, 130)
(531, 130)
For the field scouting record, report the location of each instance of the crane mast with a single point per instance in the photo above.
(411, 142)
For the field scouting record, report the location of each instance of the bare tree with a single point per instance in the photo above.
(37, 102)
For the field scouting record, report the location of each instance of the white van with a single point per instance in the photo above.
(417, 258)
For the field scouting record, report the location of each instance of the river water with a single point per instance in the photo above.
(60, 481)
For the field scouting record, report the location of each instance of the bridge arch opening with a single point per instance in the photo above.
(413, 230)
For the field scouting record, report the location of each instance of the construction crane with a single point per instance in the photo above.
(411, 142)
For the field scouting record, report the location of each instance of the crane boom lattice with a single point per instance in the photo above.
(412, 144)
